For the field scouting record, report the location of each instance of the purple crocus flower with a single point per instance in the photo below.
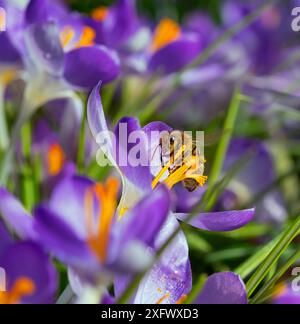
(78, 43)
(57, 158)
(54, 45)
(116, 25)
(268, 37)
(257, 175)
(138, 182)
(30, 277)
(223, 69)
(172, 48)
(81, 227)
(285, 294)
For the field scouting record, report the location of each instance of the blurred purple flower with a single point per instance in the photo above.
(30, 276)
(52, 46)
(257, 175)
(285, 294)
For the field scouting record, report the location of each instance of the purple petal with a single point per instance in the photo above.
(40, 11)
(29, 261)
(67, 202)
(107, 299)
(139, 175)
(15, 215)
(5, 238)
(175, 56)
(121, 23)
(59, 238)
(147, 217)
(220, 221)
(223, 288)
(203, 25)
(96, 118)
(86, 66)
(155, 128)
(287, 296)
(259, 172)
(186, 201)
(45, 47)
(170, 277)
(256, 176)
(8, 54)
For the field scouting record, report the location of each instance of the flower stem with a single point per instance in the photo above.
(28, 183)
(7, 164)
(82, 141)
(66, 296)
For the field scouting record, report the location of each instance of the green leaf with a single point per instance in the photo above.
(245, 269)
(263, 293)
(273, 256)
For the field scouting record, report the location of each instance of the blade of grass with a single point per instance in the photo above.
(4, 139)
(196, 242)
(283, 243)
(245, 269)
(262, 294)
(228, 254)
(28, 184)
(223, 145)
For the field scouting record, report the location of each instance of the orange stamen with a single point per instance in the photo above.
(181, 300)
(279, 290)
(56, 159)
(87, 37)
(100, 13)
(166, 32)
(66, 36)
(163, 298)
(22, 287)
(107, 200)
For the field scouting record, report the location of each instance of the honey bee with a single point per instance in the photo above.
(181, 155)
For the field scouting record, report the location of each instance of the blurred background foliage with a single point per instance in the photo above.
(155, 9)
